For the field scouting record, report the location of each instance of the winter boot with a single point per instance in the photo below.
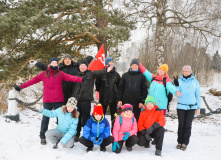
(43, 141)
(129, 149)
(89, 149)
(103, 149)
(76, 138)
(153, 142)
(158, 152)
(56, 145)
(147, 145)
(178, 146)
(183, 147)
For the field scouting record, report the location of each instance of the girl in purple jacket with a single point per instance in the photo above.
(124, 130)
(53, 97)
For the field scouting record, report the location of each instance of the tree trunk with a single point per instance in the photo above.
(160, 32)
(101, 25)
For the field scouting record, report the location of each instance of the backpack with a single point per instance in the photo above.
(121, 120)
(169, 95)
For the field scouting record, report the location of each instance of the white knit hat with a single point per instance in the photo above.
(187, 67)
(72, 102)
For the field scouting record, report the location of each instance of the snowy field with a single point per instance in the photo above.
(20, 141)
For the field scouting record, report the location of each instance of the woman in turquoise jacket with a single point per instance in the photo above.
(188, 104)
(157, 89)
(63, 135)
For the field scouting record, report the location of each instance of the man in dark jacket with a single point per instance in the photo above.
(84, 93)
(133, 88)
(69, 66)
(107, 86)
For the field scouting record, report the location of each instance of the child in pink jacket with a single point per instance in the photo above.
(125, 128)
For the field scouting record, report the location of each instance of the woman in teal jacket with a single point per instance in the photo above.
(188, 103)
(63, 135)
(157, 89)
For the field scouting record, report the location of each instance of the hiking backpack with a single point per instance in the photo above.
(169, 95)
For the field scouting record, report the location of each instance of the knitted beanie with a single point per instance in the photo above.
(135, 61)
(150, 99)
(67, 56)
(107, 60)
(127, 107)
(53, 59)
(72, 102)
(164, 67)
(187, 67)
(98, 110)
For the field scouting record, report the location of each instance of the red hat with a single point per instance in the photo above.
(98, 110)
(127, 107)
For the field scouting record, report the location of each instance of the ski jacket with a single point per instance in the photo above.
(190, 90)
(157, 89)
(52, 82)
(66, 123)
(132, 88)
(107, 86)
(96, 129)
(72, 69)
(148, 117)
(84, 91)
(128, 125)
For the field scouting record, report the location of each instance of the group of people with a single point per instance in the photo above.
(68, 89)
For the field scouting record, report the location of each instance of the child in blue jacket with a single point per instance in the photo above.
(63, 135)
(96, 131)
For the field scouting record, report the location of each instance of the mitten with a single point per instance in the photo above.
(143, 131)
(115, 146)
(93, 139)
(175, 81)
(147, 136)
(126, 136)
(17, 87)
(156, 125)
(150, 130)
(99, 141)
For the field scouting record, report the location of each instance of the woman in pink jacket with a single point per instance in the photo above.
(53, 97)
(124, 130)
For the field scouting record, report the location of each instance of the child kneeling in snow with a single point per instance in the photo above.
(125, 128)
(151, 124)
(96, 131)
(67, 124)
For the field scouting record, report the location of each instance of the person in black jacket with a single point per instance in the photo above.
(107, 86)
(84, 93)
(69, 66)
(133, 88)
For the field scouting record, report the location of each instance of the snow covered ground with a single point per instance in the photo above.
(20, 141)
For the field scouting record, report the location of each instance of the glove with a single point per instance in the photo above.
(150, 130)
(143, 131)
(175, 81)
(93, 139)
(39, 108)
(60, 145)
(99, 141)
(156, 125)
(17, 87)
(115, 146)
(32, 63)
(126, 136)
(147, 136)
(142, 68)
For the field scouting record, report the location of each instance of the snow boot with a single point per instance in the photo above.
(183, 147)
(129, 149)
(103, 149)
(89, 149)
(76, 138)
(43, 141)
(158, 152)
(153, 142)
(147, 145)
(178, 146)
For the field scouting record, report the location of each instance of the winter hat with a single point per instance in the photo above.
(72, 102)
(84, 62)
(67, 56)
(127, 107)
(150, 99)
(98, 110)
(135, 61)
(107, 60)
(164, 67)
(53, 59)
(187, 67)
